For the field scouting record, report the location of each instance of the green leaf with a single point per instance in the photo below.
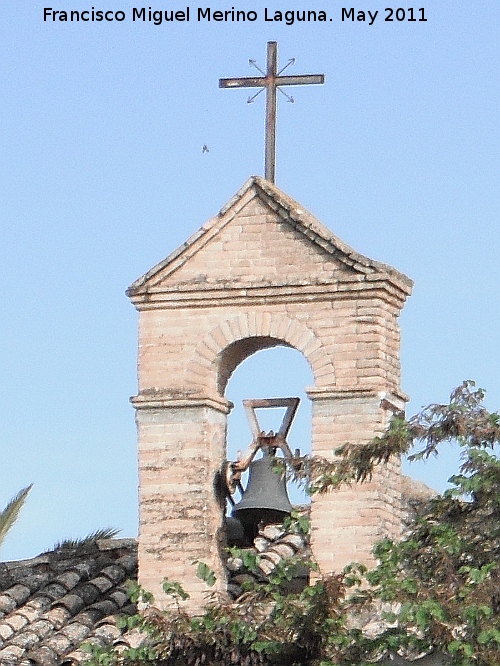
(137, 593)
(174, 589)
(205, 573)
(11, 512)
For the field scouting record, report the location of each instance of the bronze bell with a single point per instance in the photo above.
(265, 500)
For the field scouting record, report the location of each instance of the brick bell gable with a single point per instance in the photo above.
(262, 272)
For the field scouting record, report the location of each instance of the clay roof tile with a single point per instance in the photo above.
(53, 603)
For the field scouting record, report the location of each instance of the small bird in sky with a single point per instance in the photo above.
(205, 149)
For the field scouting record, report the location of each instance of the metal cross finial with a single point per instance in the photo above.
(271, 81)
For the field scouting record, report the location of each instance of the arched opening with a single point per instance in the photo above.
(265, 372)
(238, 351)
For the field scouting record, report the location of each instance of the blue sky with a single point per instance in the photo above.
(102, 175)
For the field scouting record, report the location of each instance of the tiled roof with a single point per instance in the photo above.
(50, 605)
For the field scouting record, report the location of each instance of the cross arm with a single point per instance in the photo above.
(303, 79)
(262, 81)
(245, 82)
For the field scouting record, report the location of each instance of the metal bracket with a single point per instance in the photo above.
(232, 471)
(291, 405)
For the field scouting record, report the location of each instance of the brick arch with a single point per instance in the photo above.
(221, 350)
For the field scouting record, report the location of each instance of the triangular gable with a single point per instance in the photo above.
(207, 254)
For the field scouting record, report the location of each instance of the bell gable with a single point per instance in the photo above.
(262, 273)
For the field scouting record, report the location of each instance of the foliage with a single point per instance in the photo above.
(205, 573)
(438, 587)
(10, 514)
(83, 543)
(443, 577)
(266, 625)
(297, 523)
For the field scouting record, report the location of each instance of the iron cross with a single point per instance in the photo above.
(271, 81)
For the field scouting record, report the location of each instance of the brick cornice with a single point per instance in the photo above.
(227, 294)
(168, 400)
(392, 400)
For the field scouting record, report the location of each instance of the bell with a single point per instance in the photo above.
(265, 500)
